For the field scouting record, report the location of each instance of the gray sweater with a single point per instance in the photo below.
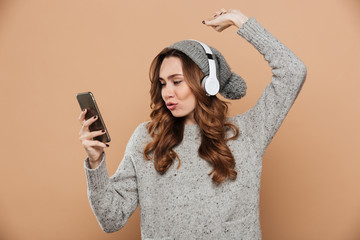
(185, 203)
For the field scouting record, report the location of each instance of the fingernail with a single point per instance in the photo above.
(103, 130)
(107, 145)
(203, 22)
(95, 117)
(83, 110)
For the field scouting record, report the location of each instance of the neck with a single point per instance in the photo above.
(190, 119)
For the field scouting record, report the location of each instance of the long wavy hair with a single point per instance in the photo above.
(210, 114)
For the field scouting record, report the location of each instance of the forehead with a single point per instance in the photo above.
(170, 66)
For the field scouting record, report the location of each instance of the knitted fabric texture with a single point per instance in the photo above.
(185, 203)
(232, 86)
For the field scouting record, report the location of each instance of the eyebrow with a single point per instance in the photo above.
(172, 76)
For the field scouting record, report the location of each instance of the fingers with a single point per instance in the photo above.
(93, 144)
(82, 116)
(217, 13)
(216, 19)
(221, 12)
(86, 139)
(84, 131)
(87, 135)
(96, 133)
(222, 20)
(219, 24)
(214, 22)
(92, 147)
(90, 121)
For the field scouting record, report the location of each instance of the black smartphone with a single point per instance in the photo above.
(87, 100)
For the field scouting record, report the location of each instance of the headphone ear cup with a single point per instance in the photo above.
(203, 81)
(210, 85)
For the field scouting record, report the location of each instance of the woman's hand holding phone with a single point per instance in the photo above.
(93, 148)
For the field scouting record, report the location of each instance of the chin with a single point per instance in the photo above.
(178, 115)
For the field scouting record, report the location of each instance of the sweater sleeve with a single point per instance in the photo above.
(262, 121)
(112, 199)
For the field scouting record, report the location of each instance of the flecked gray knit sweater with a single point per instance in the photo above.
(185, 203)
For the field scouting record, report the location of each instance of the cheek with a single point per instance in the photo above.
(193, 101)
(162, 92)
(189, 97)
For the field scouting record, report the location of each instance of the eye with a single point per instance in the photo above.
(162, 84)
(177, 82)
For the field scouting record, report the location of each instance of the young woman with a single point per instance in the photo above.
(194, 171)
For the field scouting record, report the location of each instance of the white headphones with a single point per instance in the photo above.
(210, 83)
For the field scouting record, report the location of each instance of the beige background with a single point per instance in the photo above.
(51, 50)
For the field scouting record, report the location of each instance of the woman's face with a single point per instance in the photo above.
(175, 91)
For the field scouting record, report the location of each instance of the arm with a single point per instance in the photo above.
(113, 199)
(262, 121)
(289, 73)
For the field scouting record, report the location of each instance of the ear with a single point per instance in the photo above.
(211, 85)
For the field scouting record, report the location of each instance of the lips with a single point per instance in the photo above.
(171, 105)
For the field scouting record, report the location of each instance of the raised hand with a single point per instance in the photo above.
(226, 18)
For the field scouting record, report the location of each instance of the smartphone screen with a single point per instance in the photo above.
(87, 101)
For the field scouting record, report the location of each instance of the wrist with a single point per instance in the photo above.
(95, 163)
(239, 20)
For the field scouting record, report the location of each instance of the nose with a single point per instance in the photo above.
(168, 92)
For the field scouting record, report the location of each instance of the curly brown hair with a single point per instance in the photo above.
(210, 114)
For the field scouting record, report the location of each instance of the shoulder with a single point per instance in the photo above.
(241, 121)
(138, 139)
(141, 129)
(237, 120)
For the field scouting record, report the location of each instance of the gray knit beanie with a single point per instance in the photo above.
(232, 86)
